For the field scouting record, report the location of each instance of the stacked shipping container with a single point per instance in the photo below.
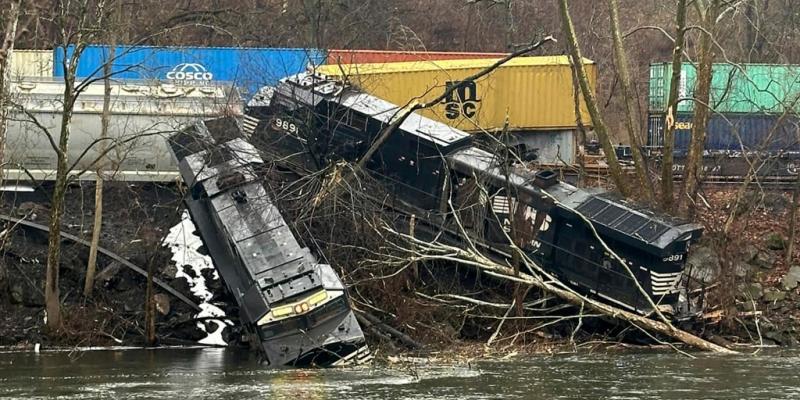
(31, 63)
(533, 94)
(247, 68)
(755, 107)
(384, 56)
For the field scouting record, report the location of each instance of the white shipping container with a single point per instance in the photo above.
(142, 115)
(31, 63)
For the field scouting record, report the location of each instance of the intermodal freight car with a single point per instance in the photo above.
(295, 308)
(753, 126)
(247, 68)
(433, 170)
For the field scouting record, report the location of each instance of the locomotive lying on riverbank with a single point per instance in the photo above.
(295, 307)
(436, 173)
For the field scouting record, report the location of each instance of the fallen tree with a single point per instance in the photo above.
(416, 250)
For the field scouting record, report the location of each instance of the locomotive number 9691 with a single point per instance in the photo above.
(284, 125)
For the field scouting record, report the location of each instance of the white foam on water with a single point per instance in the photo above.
(184, 245)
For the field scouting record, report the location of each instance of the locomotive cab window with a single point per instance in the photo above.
(344, 116)
(358, 121)
(339, 116)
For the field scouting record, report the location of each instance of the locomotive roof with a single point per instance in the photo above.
(386, 112)
(266, 248)
(617, 217)
(312, 88)
(624, 218)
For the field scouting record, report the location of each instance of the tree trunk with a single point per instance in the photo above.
(642, 174)
(702, 112)
(105, 119)
(150, 306)
(6, 50)
(667, 187)
(591, 100)
(511, 26)
(793, 222)
(51, 293)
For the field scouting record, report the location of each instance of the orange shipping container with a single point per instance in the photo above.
(385, 56)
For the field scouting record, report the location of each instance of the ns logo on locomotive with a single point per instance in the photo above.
(433, 170)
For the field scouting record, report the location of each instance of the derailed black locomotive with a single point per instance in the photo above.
(436, 173)
(296, 309)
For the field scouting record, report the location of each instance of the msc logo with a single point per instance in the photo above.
(461, 101)
(190, 72)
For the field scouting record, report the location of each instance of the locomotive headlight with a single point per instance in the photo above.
(296, 308)
(317, 298)
(281, 311)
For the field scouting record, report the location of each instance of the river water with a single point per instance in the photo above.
(218, 373)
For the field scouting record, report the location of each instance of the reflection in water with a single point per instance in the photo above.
(219, 373)
(297, 384)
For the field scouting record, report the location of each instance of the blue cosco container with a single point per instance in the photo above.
(247, 68)
(728, 132)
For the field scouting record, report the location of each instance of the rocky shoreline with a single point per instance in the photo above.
(752, 289)
(752, 293)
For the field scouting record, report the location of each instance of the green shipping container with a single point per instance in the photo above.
(748, 88)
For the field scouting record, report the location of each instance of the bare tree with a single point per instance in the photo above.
(667, 195)
(600, 127)
(6, 48)
(78, 23)
(709, 11)
(105, 120)
(642, 175)
(91, 266)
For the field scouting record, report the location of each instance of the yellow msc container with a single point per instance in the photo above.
(31, 63)
(536, 93)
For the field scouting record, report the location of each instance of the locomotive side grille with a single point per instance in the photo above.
(664, 283)
(249, 125)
